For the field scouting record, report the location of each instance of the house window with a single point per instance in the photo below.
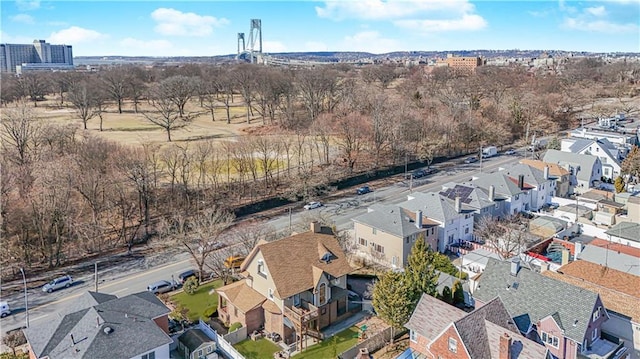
(296, 300)
(433, 230)
(362, 241)
(261, 270)
(394, 261)
(407, 240)
(374, 231)
(151, 355)
(379, 248)
(235, 311)
(466, 230)
(413, 336)
(209, 349)
(200, 353)
(595, 334)
(270, 293)
(544, 337)
(453, 345)
(323, 293)
(596, 314)
(555, 342)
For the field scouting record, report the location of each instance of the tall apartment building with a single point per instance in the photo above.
(39, 55)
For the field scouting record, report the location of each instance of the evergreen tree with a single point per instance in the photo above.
(420, 272)
(446, 294)
(458, 293)
(393, 299)
(619, 184)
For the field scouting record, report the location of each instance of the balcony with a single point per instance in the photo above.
(302, 314)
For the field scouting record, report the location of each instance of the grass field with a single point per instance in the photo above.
(330, 348)
(198, 302)
(259, 349)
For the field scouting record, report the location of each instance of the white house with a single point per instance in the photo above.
(514, 191)
(585, 170)
(455, 223)
(608, 153)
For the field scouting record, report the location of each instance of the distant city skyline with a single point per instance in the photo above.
(209, 28)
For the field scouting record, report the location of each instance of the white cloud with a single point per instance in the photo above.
(369, 41)
(389, 9)
(175, 22)
(74, 35)
(25, 5)
(23, 18)
(599, 26)
(8, 39)
(157, 45)
(596, 11)
(465, 23)
(273, 46)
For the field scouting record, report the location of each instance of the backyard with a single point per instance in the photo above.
(259, 349)
(196, 304)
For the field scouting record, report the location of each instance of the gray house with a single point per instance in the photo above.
(195, 344)
(585, 170)
(483, 202)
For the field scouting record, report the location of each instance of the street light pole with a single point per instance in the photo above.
(26, 302)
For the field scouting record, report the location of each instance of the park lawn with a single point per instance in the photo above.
(198, 302)
(345, 340)
(259, 349)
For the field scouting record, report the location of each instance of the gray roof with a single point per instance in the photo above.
(610, 258)
(532, 175)
(481, 256)
(89, 326)
(432, 205)
(580, 144)
(194, 338)
(626, 230)
(471, 197)
(391, 219)
(143, 304)
(504, 186)
(87, 300)
(586, 162)
(530, 297)
(554, 223)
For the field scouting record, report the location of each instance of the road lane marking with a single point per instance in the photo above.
(38, 318)
(118, 291)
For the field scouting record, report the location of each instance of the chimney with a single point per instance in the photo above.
(492, 193)
(544, 267)
(578, 249)
(419, 218)
(565, 256)
(515, 266)
(546, 172)
(315, 227)
(457, 205)
(521, 181)
(505, 347)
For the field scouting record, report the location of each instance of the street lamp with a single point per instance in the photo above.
(26, 302)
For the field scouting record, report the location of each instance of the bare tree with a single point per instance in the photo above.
(248, 234)
(244, 77)
(14, 340)
(83, 97)
(166, 114)
(35, 85)
(20, 134)
(178, 90)
(508, 236)
(114, 81)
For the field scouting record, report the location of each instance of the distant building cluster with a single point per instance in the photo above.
(19, 58)
(464, 63)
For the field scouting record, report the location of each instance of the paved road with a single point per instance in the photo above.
(136, 277)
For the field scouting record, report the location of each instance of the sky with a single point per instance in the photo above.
(210, 27)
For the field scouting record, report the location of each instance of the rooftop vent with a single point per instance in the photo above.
(107, 330)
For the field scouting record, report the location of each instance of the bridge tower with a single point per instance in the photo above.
(255, 36)
(241, 40)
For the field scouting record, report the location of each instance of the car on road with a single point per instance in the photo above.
(312, 205)
(510, 152)
(160, 287)
(363, 190)
(58, 283)
(4, 309)
(471, 160)
(182, 277)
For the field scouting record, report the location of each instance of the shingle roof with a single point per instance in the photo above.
(611, 258)
(532, 175)
(242, 296)
(290, 261)
(88, 327)
(613, 300)
(432, 316)
(586, 162)
(521, 347)
(194, 338)
(471, 196)
(392, 219)
(529, 297)
(432, 205)
(554, 169)
(626, 230)
(503, 184)
(604, 276)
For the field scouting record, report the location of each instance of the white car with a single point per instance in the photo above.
(510, 152)
(312, 205)
(4, 309)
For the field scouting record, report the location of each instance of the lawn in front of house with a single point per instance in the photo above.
(199, 301)
(259, 349)
(330, 347)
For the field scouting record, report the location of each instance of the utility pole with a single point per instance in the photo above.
(26, 302)
(481, 158)
(289, 220)
(96, 275)
(406, 164)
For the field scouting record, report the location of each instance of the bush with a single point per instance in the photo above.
(191, 285)
(210, 311)
(235, 326)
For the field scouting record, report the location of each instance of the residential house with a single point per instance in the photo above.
(474, 262)
(101, 325)
(622, 141)
(560, 175)
(483, 202)
(195, 344)
(608, 255)
(565, 318)
(601, 148)
(547, 227)
(386, 233)
(514, 191)
(542, 186)
(439, 330)
(574, 213)
(455, 223)
(585, 170)
(627, 233)
(294, 286)
(620, 293)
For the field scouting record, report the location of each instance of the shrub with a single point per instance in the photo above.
(235, 326)
(191, 285)
(210, 311)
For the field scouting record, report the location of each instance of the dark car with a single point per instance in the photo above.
(416, 174)
(471, 160)
(182, 277)
(363, 190)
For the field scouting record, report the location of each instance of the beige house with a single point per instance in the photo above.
(557, 172)
(294, 286)
(386, 234)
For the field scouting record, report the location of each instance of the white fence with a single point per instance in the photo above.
(223, 345)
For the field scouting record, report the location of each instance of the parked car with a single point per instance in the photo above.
(160, 287)
(233, 262)
(182, 277)
(510, 152)
(212, 245)
(58, 283)
(471, 160)
(312, 205)
(4, 309)
(363, 190)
